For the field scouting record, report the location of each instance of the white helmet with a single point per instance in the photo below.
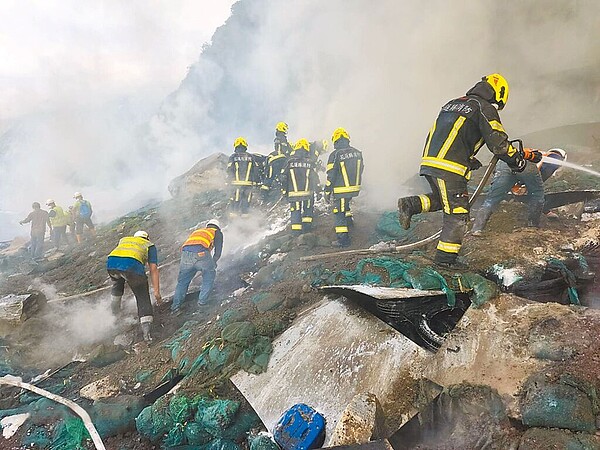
(50, 202)
(560, 152)
(141, 234)
(77, 195)
(214, 222)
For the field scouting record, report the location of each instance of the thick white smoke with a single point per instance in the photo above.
(380, 69)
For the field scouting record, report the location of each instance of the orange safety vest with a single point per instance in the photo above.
(204, 237)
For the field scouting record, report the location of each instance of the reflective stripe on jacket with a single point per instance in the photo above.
(299, 178)
(344, 172)
(204, 237)
(461, 128)
(133, 247)
(241, 169)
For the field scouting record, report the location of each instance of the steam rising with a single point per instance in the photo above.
(380, 69)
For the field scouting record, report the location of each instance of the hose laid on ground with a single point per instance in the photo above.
(85, 417)
(400, 248)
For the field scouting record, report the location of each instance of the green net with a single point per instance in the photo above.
(241, 333)
(69, 434)
(154, 421)
(567, 276)
(483, 290)
(115, 416)
(244, 422)
(180, 337)
(37, 437)
(180, 409)
(261, 442)
(221, 444)
(255, 358)
(175, 437)
(216, 415)
(235, 315)
(388, 228)
(195, 434)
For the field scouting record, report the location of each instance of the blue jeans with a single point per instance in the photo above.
(190, 264)
(36, 246)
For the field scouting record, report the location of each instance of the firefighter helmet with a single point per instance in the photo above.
(240, 141)
(302, 143)
(339, 133)
(281, 126)
(500, 87)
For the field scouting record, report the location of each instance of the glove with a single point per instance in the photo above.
(474, 163)
(532, 154)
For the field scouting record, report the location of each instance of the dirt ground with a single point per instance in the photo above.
(81, 269)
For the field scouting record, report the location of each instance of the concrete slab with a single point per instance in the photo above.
(331, 353)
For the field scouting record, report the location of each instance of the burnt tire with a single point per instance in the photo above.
(432, 340)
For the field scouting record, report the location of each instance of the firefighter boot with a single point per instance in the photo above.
(115, 304)
(407, 207)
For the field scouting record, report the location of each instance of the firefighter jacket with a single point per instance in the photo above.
(58, 217)
(133, 247)
(299, 178)
(344, 172)
(276, 162)
(461, 128)
(242, 169)
(281, 144)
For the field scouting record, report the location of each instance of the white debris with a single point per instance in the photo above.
(587, 217)
(276, 257)
(11, 424)
(507, 276)
(239, 291)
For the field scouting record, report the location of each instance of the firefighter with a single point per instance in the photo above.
(276, 161)
(242, 176)
(300, 182)
(461, 128)
(528, 183)
(316, 149)
(127, 263)
(344, 176)
(281, 143)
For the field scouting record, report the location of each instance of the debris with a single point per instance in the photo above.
(362, 421)
(102, 388)
(11, 424)
(18, 308)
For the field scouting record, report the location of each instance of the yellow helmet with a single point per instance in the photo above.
(240, 141)
(282, 126)
(500, 87)
(302, 143)
(325, 143)
(339, 133)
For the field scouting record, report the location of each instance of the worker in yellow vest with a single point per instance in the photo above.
(199, 253)
(128, 262)
(59, 220)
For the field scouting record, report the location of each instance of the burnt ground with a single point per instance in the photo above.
(81, 270)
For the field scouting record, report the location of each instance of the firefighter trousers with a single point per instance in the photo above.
(342, 216)
(301, 216)
(240, 200)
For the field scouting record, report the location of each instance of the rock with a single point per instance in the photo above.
(124, 339)
(205, 175)
(543, 439)
(239, 314)
(308, 240)
(18, 308)
(104, 355)
(556, 405)
(361, 422)
(99, 389)
(266, 301)
(265, 277)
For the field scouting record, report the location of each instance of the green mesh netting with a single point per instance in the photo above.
(221, 444)
(180, 337)
(255, 358)
(37, 437)
(388, 228)
(483, 290)
(568, 277)
(155, 420)
(69, 434)
(195, 434)
(115, 416)
(235, 315)
(216, 415)
(241, 333)
(261, 442)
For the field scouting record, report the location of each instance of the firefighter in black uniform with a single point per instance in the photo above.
(242, 175)
(300, 182)
(275, 164)
(461, 128)
(281, 143)
(344, 175)
(316, 149)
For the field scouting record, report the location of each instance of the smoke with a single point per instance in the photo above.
(380, 69)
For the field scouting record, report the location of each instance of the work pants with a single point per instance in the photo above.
(301, 216)
(58, 235)
(80, 222)
(341, 213)
(504, 179)
(36, 246)
(139, 286)
(240, 200)
(190, 264)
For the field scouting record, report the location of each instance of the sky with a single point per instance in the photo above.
(57, 51)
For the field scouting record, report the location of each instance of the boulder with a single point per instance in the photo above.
(205, 175)
(99, 389)
(361, 422)
(266, 301)
(17, 308)
(104, 355)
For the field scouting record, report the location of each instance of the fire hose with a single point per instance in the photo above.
(400, 248)
(85, 417)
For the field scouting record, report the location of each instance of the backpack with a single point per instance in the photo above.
(85, 209)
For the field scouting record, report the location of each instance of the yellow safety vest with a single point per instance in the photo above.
(60, 219)
(204, 237)
(133, 247)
